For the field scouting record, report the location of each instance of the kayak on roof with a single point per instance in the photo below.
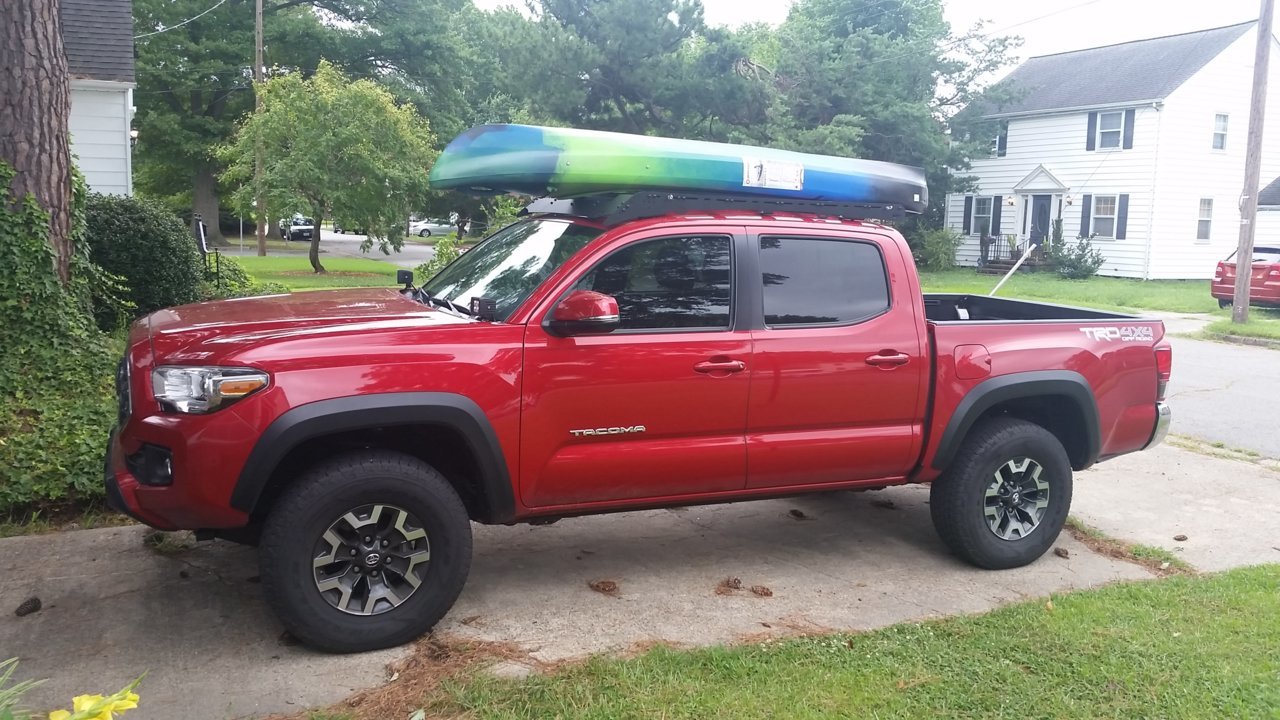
(565, 162)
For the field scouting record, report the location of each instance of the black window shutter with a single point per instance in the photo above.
(1086, 209)
(968, 214)
(1122, 217)
(1129, 116)
(1090, 142)
(1002, 142)
(996, 202)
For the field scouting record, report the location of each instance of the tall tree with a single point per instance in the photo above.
(337, 147)
(35, 102)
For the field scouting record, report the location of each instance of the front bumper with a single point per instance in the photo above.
(1164, 416)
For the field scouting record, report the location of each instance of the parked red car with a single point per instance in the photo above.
(574, 365)
(1264, 286)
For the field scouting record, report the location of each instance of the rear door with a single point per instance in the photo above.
(657, 408)
(840, 370)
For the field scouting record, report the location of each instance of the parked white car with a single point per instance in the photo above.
(425, 228)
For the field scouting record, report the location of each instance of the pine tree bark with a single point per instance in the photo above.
(35, 103)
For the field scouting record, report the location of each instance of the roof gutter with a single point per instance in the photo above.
(1156, 103)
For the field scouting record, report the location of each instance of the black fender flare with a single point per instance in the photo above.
(364, 412)
(1014, 386)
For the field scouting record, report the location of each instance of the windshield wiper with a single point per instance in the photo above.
(443, 302)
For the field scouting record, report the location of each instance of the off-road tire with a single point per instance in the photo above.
(1224, 304)
(957, 500)
(325, 493)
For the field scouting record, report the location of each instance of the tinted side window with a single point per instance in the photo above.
(809, 281)
(680, 282)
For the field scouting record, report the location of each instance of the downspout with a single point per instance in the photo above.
(1151, 216)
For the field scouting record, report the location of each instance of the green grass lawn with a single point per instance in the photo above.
(1184, 647)
(1097, 292)
(1263, 323)
(294, 272)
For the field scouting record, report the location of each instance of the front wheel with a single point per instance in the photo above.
(365, 551)
(424, 233)
(1005, 498)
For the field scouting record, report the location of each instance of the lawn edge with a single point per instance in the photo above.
(1158, 561)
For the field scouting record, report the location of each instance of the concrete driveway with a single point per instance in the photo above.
(195, 620)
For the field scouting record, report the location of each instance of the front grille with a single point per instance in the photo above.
(123, 403)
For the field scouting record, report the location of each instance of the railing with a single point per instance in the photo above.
(999, 250)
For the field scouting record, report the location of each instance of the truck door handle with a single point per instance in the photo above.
(888, 359)
(720, 366)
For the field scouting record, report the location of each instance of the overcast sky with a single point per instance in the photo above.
(1069, 25)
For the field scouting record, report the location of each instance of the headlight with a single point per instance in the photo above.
(199, 390)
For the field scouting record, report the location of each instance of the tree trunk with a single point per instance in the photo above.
(317, 216)
(204, 200)
(35, 102)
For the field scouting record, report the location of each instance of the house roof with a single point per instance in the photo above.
(1137, 71)
(98, 37)
(1270, 195)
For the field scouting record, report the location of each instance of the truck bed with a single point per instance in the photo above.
(945, 308)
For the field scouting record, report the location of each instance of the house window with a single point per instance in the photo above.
(1110, 129)
(1104, 215)
(1206, 219)
(982, 215)
(1220, 131)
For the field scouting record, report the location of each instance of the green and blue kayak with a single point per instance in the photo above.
(566, 163)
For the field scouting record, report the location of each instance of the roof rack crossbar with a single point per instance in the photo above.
(616, 208)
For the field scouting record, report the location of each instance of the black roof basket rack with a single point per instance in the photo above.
(617, 208)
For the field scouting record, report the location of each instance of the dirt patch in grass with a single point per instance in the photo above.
(415, 682)
(1158, 560)
(59, 518)
(1224, 451)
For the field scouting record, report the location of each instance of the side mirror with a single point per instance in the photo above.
(404, 277)
(584, 312)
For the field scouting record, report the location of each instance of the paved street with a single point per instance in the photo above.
(1226, 393)
(334, 244)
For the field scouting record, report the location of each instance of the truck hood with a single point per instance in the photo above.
(203, 332)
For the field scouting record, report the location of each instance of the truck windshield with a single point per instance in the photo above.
(510, 264)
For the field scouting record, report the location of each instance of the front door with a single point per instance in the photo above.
(838, 382)
(1041, 209)
(656, 409)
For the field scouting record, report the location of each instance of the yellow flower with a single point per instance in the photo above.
(96, 707)
(119, 704)
(81, 703)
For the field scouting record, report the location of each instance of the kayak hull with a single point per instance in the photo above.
(564, 162)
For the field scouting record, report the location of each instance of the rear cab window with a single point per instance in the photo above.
(822, 281)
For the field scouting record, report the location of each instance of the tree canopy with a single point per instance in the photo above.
(879, 79)
(336, 148)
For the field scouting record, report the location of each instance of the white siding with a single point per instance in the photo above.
(1190, 169)
(100, 117)
(1058, 143)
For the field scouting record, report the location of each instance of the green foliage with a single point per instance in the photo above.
(225, 277)
(56, 396)
(938, 248)
(11, 692)
(1076, 260)
(446, 252)
(147, 247)
(333, 145)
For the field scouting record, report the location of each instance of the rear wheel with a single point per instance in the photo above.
(366, 551)
(424, 233)
(1222, 303)
(1005, 498)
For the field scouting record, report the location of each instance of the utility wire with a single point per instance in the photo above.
(184, 22)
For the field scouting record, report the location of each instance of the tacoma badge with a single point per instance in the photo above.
(608, 431)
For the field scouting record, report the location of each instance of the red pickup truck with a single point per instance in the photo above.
(570, 365)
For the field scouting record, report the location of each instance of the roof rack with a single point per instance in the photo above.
(617, 208)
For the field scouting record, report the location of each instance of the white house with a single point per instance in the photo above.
(1141, 143)
(98, 37)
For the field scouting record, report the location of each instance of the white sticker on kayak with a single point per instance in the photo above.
(773, 174)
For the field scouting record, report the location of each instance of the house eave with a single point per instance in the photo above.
(1157, 102)
(96, 84)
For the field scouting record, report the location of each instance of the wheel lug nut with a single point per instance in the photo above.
(353, 552)
(368, 539)
(385, 543)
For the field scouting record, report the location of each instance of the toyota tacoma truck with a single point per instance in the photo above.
(582, 362)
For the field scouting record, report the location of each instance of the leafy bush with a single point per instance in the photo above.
(1076, 260)
(146, 245)
(937, 250)
(446, 252)
(226, 278)
(57, 402)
